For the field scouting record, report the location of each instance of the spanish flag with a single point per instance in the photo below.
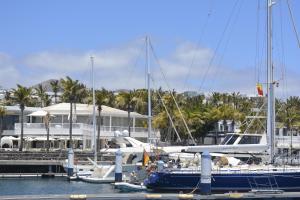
(146, 158)
(259, 89)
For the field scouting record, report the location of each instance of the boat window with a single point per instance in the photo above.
(232, 139)
(249, 139)
(113, 145)
(128, 145)
(226, 139)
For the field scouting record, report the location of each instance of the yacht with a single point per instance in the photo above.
(263, 177)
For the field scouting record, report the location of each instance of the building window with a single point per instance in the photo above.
(284, 131)
(277, 131)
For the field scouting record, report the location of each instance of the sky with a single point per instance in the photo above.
(204, 46)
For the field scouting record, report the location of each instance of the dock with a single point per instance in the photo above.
(31, 175)
(36, 163)
(249, 195)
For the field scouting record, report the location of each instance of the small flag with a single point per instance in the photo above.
(146, 158)
(259, 89)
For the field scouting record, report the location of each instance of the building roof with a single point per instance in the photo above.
(86, 109)
(16, 109)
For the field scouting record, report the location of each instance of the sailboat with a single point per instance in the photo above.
(243, 178)
(129, 146)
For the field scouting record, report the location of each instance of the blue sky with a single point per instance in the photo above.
(51, 39)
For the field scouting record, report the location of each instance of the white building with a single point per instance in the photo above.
(111, 120)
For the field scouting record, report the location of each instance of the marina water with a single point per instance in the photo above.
(43, 186)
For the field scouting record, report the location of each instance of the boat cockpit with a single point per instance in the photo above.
(237, 138)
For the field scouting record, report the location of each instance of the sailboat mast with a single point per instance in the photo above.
(94, 113)
(270, 84)
(149, 91)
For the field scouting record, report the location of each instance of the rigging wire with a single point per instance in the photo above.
(141, 50)
(256, 60)
(130, 74)
(168, 114)
(255, 117)
(218, 46)
(293, 22)
(283, 64)
(198, 46)
(165, 79)
(280, 53)
(218, 66)
(261, 50)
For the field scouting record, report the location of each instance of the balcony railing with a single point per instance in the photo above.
(287, 141)
(78, 129)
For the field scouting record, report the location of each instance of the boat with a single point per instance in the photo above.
(241, 179)
(264, 177)
(89, 179)
(130, 187)
(101, 174)
(135, 181)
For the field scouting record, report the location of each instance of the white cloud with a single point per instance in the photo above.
(187, 52)
(69, 62)
(186, 65)
(118, 68)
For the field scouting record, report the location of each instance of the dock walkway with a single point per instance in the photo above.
(52, 155)
(133, 196)
(42, 162)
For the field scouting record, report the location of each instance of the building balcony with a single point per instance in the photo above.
(78, 129)
(287, 141)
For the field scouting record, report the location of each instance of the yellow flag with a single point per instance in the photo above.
(146, 158)
(259, 89)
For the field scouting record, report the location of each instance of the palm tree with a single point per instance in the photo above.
(47, 100)
(161, 119)
(47, 120)
(288, 112)
(55, 88)
(7, 98)
(82, 94)
(223, 112)
(236, 99)
(2, 114)
(216, 98)
(41, 93)
(22, 96)
(140, 100)
(124, 101)
(289, 115)
(101, 98)
(72, 90)
(110, 98)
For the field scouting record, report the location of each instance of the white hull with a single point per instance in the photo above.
(89, 179)
(124, 186)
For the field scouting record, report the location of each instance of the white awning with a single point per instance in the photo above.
(39, 113)
(38, 138)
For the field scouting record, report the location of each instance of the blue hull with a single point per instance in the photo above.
(287, 181)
